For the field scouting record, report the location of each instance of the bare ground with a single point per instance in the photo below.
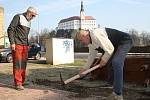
(43, 83)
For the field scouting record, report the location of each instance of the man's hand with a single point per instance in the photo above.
(12, 46)
(81, 70)
(102, 62)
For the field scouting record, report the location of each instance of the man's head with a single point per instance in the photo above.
(83, 36)
(31, 13)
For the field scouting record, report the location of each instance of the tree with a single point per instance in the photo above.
(52, 33)
(145, 37)
(135, 36)
(142, 39)
(60, 33)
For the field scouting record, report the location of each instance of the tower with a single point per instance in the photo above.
(82, 16)
(1, 26)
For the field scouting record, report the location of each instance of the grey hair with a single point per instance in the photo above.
(32, 9)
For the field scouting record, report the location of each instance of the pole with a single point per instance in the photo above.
(38, 30)
(4, 41)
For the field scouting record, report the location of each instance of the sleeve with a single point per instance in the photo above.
(91, 57)
(104, 42)
(11, 29)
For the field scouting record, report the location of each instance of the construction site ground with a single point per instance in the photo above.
(43, 83)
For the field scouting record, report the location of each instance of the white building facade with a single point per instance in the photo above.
(78, 22)
(75, 23)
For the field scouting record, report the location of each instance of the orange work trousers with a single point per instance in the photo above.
(20, 55)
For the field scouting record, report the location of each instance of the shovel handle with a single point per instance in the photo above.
(83, 73)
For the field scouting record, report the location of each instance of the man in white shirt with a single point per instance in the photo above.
(116, 45)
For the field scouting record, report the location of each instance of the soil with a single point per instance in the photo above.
(43, 83)
(99, 92)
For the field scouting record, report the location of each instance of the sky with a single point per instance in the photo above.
(118, 14)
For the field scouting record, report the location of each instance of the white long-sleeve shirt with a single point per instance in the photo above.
(99, 38)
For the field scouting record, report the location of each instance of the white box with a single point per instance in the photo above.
(59, 51)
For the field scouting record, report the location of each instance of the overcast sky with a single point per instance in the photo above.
(119, 14)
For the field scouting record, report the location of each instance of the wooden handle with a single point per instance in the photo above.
(83, 73)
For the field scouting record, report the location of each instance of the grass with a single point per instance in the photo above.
(36, 69)
(76, 63)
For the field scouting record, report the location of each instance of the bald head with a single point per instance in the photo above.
(83, 36)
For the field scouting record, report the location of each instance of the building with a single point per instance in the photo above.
(1, 26)
(76, 22)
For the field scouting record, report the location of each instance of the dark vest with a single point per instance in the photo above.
(116, 37)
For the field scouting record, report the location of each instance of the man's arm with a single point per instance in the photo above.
(11, 29)
(92, 55)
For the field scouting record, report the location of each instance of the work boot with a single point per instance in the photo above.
(19, 87)
(114, 96)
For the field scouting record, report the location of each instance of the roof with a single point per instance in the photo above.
(76, 18)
